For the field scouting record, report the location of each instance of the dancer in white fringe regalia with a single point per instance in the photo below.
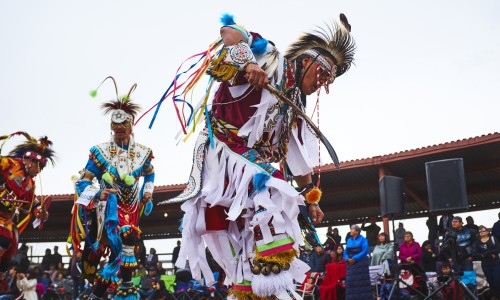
(236, 202)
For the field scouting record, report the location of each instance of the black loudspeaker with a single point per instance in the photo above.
(391, 195)
(446, 185)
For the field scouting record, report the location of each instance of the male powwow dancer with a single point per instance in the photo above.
(18, 202)
(236, 202)
(112, 205)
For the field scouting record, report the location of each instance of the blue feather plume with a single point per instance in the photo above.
(259, 181)
(259, 46)
(227, 19)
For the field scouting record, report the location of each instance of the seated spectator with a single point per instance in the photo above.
(383, 253)
(161, 292)
(148, 283)
(309, 285)
(160, 269)
(45, 280)
(429, 258)
(141, 271)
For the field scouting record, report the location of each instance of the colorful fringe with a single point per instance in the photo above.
(126, 230)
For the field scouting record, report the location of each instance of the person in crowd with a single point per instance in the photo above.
(26, 283)
(24, 263)
(152, 258)
(445, 224)
(123, 194)
(429, 257)
(45, 280)
(76, 271)
(141, 270)
(495, 230)
(451, 291)
(148, 283)
(47, 260)
(460, 240)
(372, 232)
(410, 254)
(383, 253)
(9, 284)
(358, 275)
(38, 271)
(175, 255)
(348, 234)
(433, 227)
(472, 227)
(320, 259)
(60, 284)
(332, 239)
(161, 292)
(487, 249)
(160, 269)
(306, 256)
(399, 235)
(56, 257)
(340, 255)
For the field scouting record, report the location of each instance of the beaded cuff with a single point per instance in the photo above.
(231, 60)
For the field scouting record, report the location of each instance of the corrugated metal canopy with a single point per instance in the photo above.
(350, 194)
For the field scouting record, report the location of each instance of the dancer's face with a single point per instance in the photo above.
(314, 77)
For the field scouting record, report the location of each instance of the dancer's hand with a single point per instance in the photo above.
(316, 214)
(256, 76)
(105, 194)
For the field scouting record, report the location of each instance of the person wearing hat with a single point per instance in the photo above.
(113, 207)
(18, 203)
(487, 250)
(148, 283)
(457, 246)
(358, 265)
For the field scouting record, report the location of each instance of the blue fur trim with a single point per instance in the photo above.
(148, 208)
(227, 19)
(259, 181)
(259, 46)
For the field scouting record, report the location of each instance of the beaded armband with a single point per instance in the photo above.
(231, 60)
(149, 187)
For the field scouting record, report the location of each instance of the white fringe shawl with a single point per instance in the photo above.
(233, 249)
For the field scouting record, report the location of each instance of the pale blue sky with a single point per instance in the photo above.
(426, 72)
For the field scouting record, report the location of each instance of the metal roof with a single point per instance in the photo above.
(350, 194)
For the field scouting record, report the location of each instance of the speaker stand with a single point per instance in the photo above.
(396, 272)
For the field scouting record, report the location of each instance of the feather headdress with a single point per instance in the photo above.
(39, 150)
(122, 108)
(335, 40)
